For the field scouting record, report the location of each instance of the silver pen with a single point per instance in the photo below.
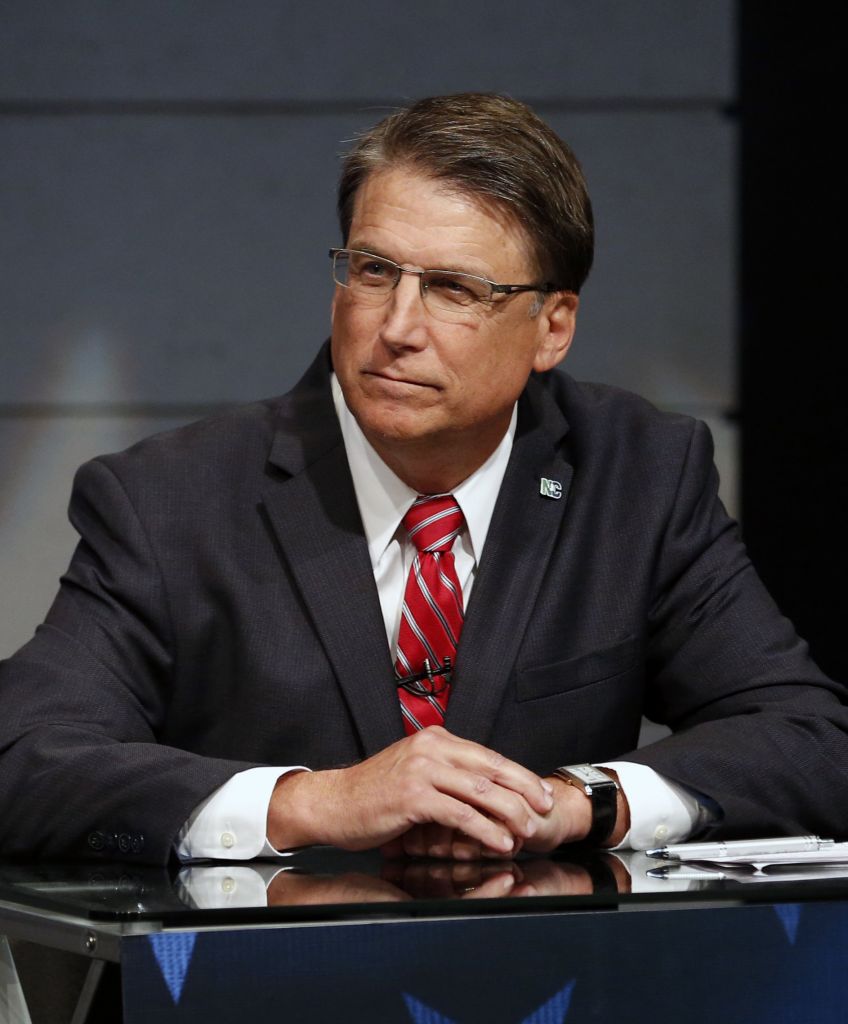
(740, 848)
(685, 874)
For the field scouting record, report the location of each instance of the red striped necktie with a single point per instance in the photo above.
(431, 619)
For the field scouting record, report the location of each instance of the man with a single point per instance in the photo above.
(255, 595)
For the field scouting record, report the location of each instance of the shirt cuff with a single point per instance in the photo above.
(219, 887)
(661, 811)
(230, 823)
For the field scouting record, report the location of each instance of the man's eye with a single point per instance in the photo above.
(372, 270)
(458, 290)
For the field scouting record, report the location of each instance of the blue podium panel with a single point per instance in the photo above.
(755, 964)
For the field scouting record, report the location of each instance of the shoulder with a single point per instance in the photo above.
(618, 442)
(235, 440)
(215, 465)
(599, 416)
(236, 443)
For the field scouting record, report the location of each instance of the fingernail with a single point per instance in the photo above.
(506, 843)
(548, 788)
(530, 827)
(507, 882)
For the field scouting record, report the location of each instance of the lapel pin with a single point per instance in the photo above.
(550, 488)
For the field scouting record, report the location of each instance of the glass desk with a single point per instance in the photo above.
(324, 935)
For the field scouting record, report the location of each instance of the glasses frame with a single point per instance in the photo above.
(495, 289)
(423, 684)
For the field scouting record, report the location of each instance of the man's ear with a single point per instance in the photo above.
(557, 322)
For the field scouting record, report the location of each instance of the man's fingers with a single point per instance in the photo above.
(490, 765)
(429, 840)
(495, 801)
(465, 818)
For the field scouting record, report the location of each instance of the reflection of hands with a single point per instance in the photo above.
(491, 879)
(450, 879)
(560, 878)
(404, 880)
(265, 883)
(429, 778)
(291, 888)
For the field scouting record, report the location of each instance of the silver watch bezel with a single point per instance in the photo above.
(588, 776)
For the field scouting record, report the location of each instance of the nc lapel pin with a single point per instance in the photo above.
(550, 488)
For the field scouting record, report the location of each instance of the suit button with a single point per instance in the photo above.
(137, 843)
(124, 843)
(96, 840)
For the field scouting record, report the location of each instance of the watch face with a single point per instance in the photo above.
(588, 775)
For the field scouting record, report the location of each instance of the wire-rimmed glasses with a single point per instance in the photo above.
(448, 294)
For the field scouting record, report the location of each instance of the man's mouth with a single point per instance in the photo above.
(397, 378)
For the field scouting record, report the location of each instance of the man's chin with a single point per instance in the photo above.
(409, 429)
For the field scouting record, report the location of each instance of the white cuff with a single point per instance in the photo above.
(236, 885)
(230, 823)
(661, 811)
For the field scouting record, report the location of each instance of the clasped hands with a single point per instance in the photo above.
(430, 794)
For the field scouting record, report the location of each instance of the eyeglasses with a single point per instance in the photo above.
(423, 684)
(448, 294)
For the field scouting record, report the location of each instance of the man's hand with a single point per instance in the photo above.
(568, 821)
(429, 778)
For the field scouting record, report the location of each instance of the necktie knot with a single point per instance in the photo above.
(433, 522)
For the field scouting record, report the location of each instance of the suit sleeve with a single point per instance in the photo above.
(757, 727)
(83, 771)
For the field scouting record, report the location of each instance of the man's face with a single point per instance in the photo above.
(419, 386)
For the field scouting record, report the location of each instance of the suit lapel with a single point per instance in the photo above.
(524, 527)
(312, 507)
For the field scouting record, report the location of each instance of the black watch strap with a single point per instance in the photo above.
(602, 792)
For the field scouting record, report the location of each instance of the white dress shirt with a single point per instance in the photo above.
(230, 823)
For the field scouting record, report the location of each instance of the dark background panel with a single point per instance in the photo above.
(168, 259)
(794, 386)
(337, 53)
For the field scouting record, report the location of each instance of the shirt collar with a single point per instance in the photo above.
(384, 499)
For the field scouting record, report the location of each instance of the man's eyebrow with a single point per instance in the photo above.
(373, 250)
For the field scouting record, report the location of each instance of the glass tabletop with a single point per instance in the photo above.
(322, 884)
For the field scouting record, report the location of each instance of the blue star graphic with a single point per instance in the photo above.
(790, 916)
(173, 954)
(551, 1012)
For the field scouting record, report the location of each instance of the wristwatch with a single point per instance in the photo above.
(601, 790)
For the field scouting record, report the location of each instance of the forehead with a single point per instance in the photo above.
(410, 216)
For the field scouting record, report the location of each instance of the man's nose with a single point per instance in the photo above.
(405, 317)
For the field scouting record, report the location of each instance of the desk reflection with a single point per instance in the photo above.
(290, 883)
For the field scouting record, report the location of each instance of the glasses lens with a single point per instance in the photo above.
(455, 293)
(449, 296)
(370, 277)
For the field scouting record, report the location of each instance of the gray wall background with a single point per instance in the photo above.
(167, 176)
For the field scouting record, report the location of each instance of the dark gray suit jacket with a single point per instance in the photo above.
(220, 612)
